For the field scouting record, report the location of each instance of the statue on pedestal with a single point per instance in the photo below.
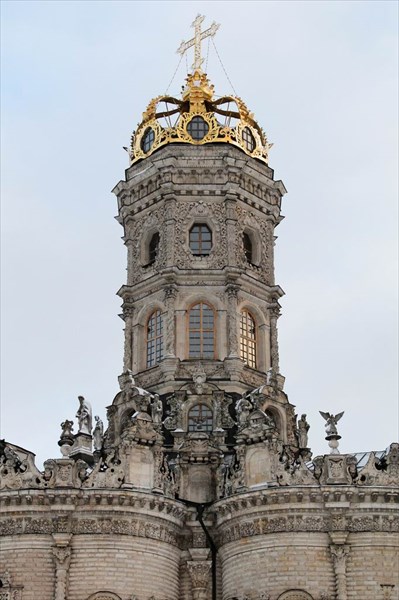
(84, 416)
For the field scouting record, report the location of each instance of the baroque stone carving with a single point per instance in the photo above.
(17, 471)
(384, 471)
(108, 473)
(84, 416)
(98, 434)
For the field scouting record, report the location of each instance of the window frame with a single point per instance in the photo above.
(155, 250)
(246, 341)
(157, 352)
(248, 252)
(200, 241)
(208, 419)
(201, 330)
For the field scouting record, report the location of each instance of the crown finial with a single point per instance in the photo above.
(197, 39)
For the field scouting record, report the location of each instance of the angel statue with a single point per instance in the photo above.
(331, 423)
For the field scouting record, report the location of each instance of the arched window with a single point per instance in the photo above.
(248, 339)
(200, 418)
(153, 248)
(201, 331)
(200, 239)
(247, 242)
(154, 338)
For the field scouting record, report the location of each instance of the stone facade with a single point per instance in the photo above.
(202, 486)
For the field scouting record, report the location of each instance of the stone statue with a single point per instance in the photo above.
(302, 432)
(199, 379)
(243, 408)
(98, 433)
(84, 416)
(331, 422)
(156, 410)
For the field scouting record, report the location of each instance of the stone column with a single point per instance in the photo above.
(231, 231)
(339, 553)
(274, 355)
(169, 231)
(62, 558)
(169, 325)
(233, 347)
(128, 312)
(200, 577)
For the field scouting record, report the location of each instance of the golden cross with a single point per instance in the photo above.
(196, 40)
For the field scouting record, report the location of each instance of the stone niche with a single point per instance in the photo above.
(198, 483)
(258, 466)
(139, 467)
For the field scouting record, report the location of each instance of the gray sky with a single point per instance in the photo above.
(320, 77)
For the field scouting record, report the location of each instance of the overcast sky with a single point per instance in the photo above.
(321, 78)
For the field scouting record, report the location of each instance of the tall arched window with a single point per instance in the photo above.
(153, 248)
(200, 418)
(247, 242)
(248, 339)
(154, 338)
(201, 331)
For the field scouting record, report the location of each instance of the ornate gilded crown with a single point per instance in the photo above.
(197, 118)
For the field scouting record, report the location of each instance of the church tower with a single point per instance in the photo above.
(201, 486)
(199, 206)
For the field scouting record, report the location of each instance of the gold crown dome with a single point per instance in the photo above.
(197, 118)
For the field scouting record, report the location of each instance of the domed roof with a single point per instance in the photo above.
(198, 118)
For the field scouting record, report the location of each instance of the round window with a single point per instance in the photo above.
(248, 139)
(147, 140)
(198, 128)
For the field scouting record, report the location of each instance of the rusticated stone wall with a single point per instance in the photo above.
(335, 544)
(70, 544)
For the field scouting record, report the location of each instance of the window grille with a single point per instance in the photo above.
(248, 339)
(200, 239)
(154, 339)
(201, 331)
(200, 418)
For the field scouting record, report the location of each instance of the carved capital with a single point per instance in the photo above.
(62, 556)
(387, 590)
(339, 553)
(199, 573)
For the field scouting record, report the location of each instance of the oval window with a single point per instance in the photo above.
(198, 128)
(248, 139)
(147, 140)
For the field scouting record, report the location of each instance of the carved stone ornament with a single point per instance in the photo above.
(199, 573)
(18, 470)
(384, 471)
(9, 590)
(108, 473)
(64, 472)
(174, 414)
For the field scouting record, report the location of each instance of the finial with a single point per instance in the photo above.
(331, 430)
(196, 40)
